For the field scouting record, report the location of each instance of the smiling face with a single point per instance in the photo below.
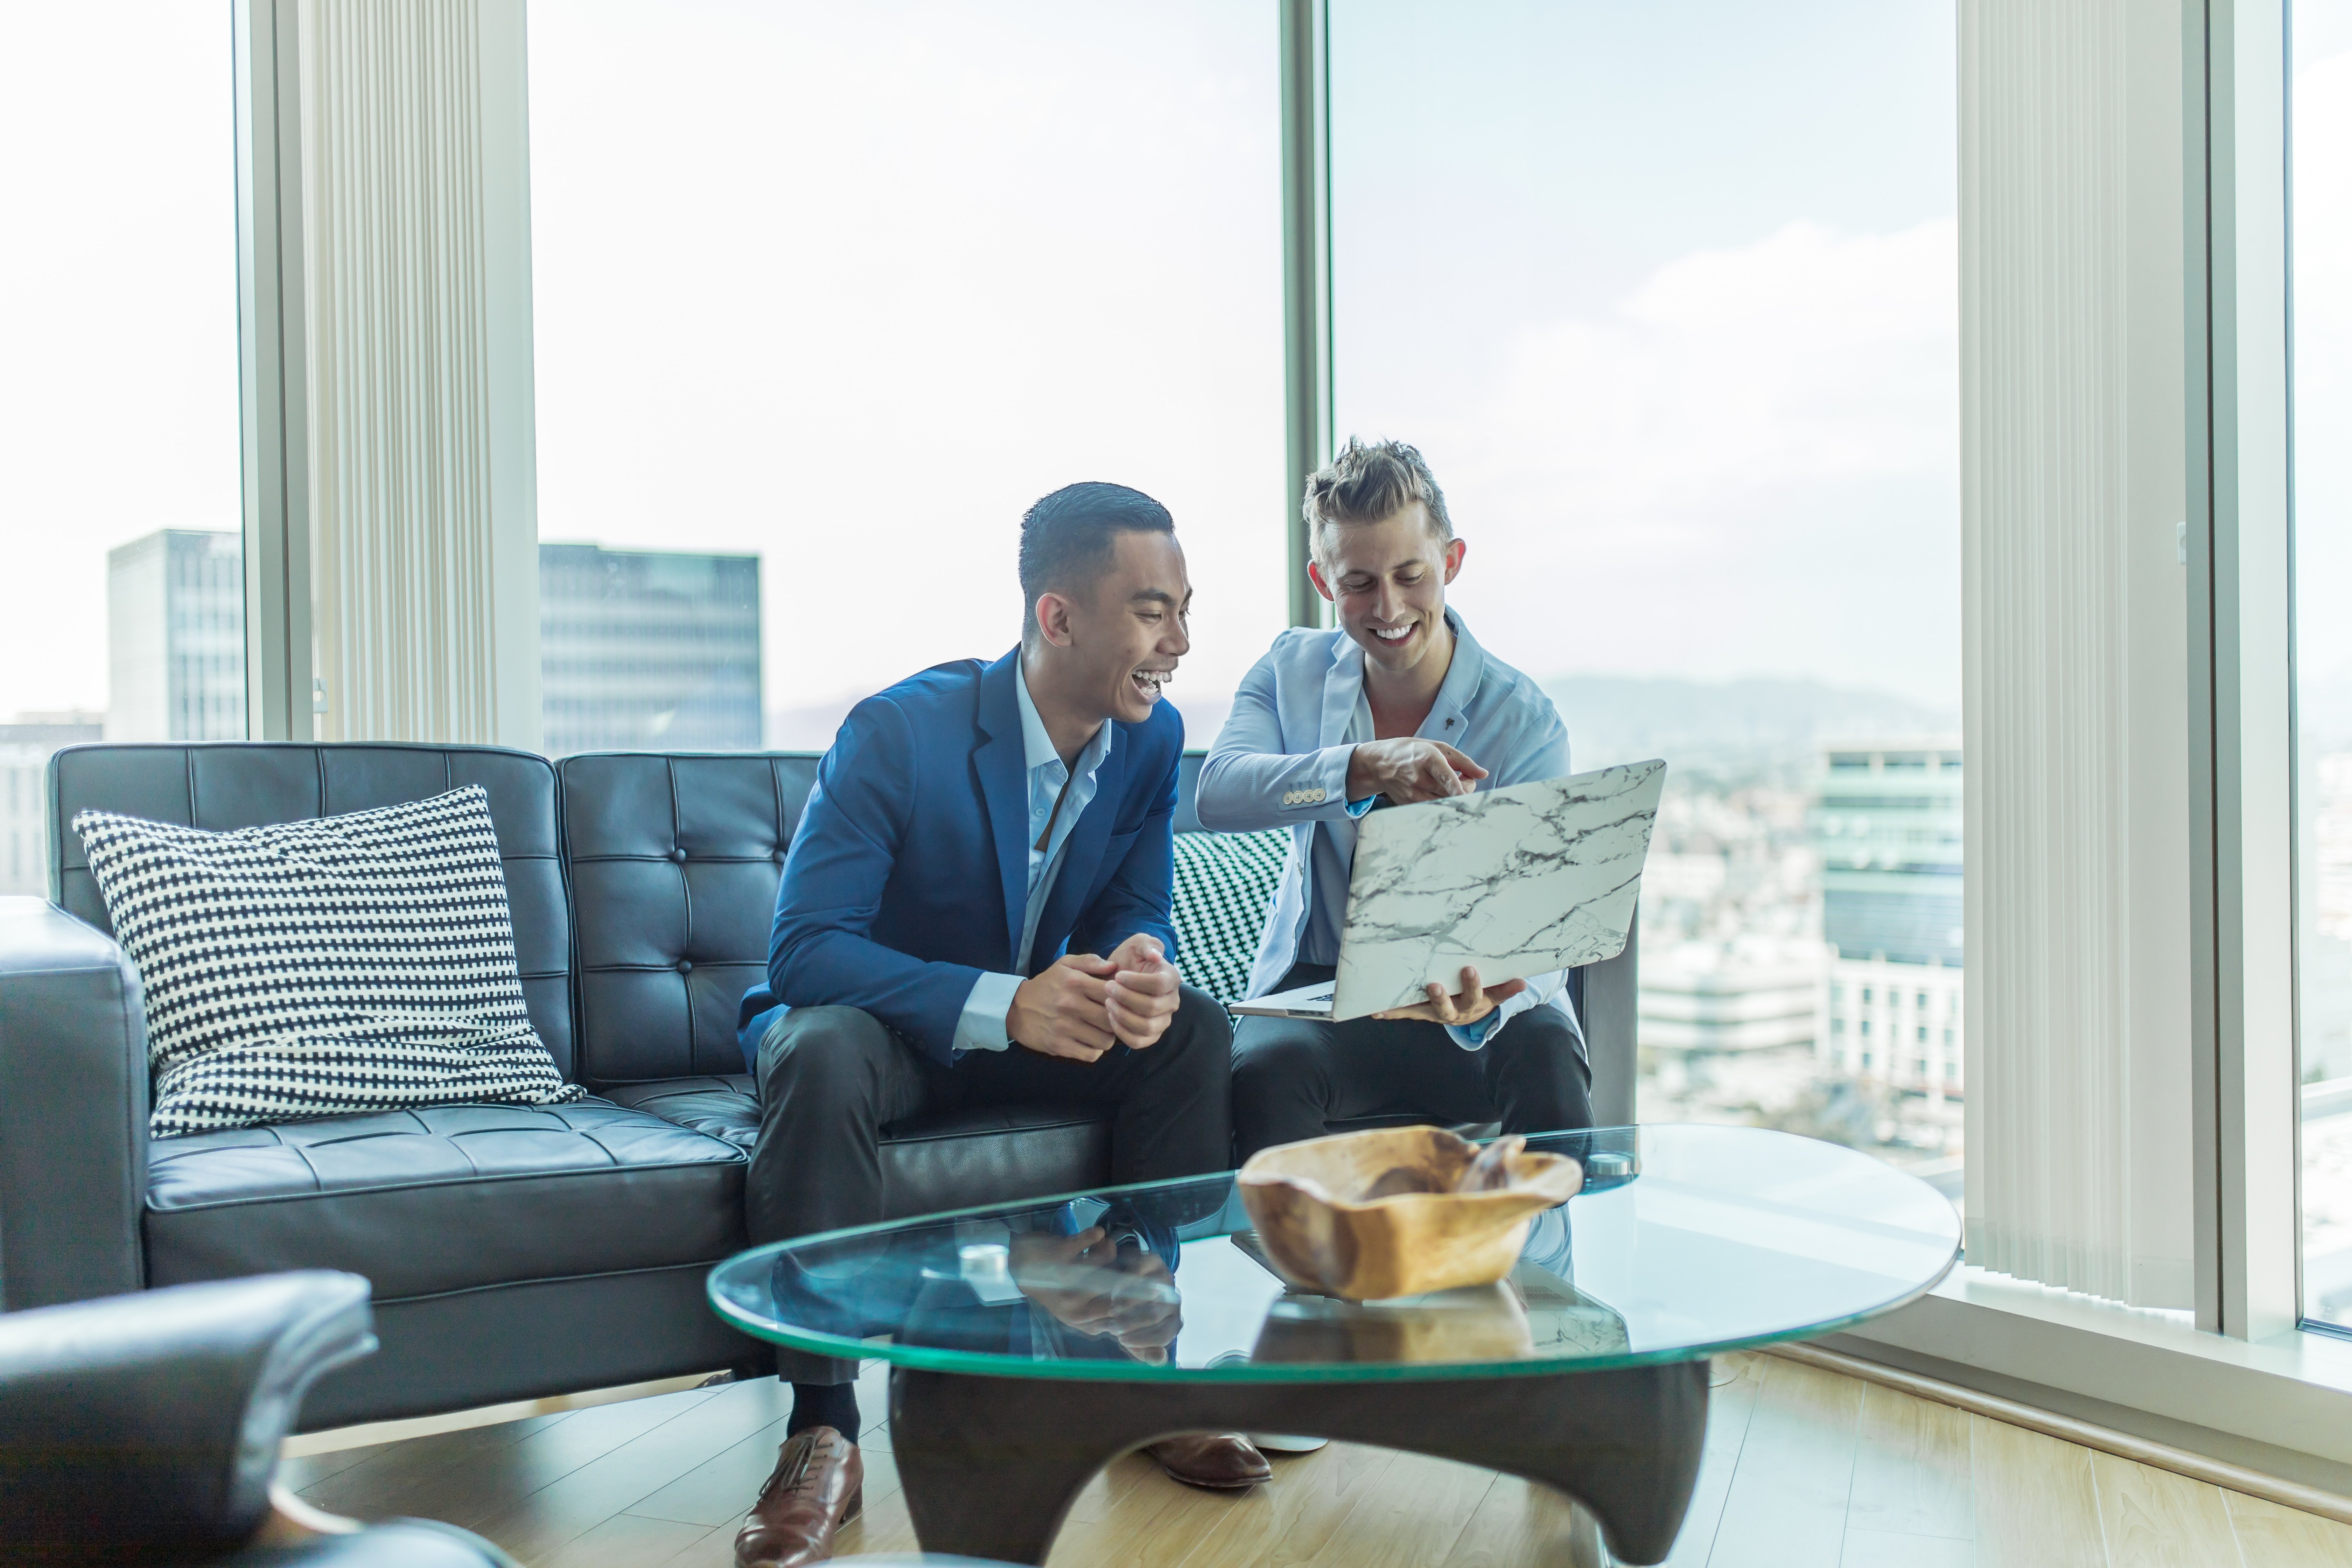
(1387, 581)
(1111, 649)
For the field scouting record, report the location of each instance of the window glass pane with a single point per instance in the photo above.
(826, 295)
(1668, 296)
(2322, 264)
(122, 608)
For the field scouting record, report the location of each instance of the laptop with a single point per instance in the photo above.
(1515, 881)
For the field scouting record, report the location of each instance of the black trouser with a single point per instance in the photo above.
(831, 1078)
(1293, 1077)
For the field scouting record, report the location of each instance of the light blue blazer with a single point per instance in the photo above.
(1281, 760)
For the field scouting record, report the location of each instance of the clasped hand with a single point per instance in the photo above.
(1081, 1006)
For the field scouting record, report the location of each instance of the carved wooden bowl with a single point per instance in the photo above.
(1398, 1211)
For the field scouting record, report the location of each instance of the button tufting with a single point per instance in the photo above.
(777, 857)
(685, 966)
(678, 855)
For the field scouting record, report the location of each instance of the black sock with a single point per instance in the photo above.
(833, 1404)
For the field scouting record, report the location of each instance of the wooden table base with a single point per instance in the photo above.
(991, 1465)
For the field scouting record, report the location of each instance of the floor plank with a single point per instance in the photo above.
(1293, 1518)
(1786, 1504)
(2270, 1536)
(624, 1541)
(2036, 1505)
(1516, 1522)
(2154, 1519)
(1911, 1471)
(1892, 1549)
(1802, 1468)
(1156, 1523)
(1730, 1409)
(575, 1503)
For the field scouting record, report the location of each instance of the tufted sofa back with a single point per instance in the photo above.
(674, 861)
(242, 783)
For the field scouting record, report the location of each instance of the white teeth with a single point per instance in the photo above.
(1397, 635)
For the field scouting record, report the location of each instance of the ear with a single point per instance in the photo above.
(1053, 613)
(1315, 575)
(1454, 555)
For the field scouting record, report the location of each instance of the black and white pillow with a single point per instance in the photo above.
(1225, 885)
(308, 968)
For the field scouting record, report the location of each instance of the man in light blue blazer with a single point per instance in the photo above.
(1398, 705)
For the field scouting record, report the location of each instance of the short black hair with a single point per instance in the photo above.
(1067, 538)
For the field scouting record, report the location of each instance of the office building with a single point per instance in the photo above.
(175, 638)
(649, 649)
(24, 749)
(1889, 829)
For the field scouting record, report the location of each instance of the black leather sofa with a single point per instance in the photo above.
(515, 1252)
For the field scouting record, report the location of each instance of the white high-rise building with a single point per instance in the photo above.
(1888, 827)
(175, 638)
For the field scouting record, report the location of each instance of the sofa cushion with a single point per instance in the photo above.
(943, 1160)
(324, 966)
(448, 1198)
(1225, 885)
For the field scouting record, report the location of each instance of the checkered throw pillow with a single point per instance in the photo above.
(1225, 885)
(308, 969)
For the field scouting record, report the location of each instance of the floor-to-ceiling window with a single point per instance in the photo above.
(2320, 100)
(1668, 295)
(826, 294)
(121, 606)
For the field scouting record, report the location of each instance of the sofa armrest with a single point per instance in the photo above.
(73, 1109)
(152, 1422)
(1610, 1007)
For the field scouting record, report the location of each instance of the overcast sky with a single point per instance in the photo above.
(1665, 291)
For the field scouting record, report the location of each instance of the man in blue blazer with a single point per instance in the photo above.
(974, 911)
(1399, 704)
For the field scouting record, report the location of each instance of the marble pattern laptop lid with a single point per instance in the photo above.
(1518, 881)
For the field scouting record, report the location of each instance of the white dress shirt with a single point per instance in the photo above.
(980, 1027)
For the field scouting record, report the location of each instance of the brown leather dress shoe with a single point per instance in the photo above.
(1224, 1462)
(818, 1487)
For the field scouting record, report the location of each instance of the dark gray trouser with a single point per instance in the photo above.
(1293, 1077)
(831, 1078)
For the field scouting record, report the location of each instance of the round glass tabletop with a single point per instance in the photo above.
(1686, 1242)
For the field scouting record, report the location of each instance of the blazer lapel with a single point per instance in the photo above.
(1003, 765)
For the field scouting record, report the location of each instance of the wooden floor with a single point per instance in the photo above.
(1804, 1469)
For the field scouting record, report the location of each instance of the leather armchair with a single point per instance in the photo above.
(146, 1429)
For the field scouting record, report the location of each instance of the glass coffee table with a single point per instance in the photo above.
(1033, 1344)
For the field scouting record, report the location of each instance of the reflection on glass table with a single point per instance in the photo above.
(1031, 1344)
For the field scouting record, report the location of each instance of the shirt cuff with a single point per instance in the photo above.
(1470, 1036)
(980, 1025)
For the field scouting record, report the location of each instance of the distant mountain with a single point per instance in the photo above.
(1771, 727)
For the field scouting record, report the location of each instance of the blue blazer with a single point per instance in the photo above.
(909, 876)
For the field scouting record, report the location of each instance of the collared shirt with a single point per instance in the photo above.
(1282, 761)
(980, 1027)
